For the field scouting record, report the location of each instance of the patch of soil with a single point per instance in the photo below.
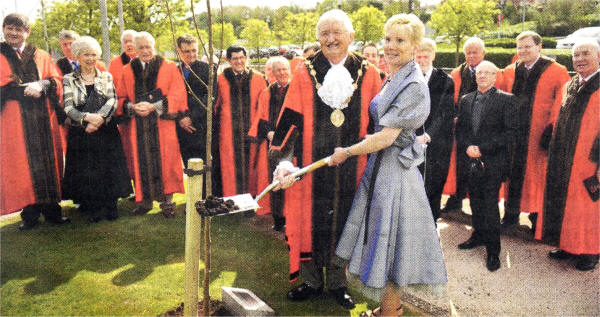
(216, 309)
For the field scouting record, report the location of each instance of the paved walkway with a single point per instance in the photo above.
(527, 284)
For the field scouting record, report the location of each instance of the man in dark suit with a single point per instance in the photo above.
(486, 126)
(192, 137)
(437, 132)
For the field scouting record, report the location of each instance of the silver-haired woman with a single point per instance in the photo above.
(390, 239)
(96, 172)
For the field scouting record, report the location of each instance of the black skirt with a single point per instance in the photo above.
(95, 169)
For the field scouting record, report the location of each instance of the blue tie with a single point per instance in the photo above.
(75, 65)
(186, 72)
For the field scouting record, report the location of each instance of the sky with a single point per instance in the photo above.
(32, 8)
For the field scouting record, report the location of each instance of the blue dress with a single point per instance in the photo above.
(390, 235)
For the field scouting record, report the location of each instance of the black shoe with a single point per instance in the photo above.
(472, 243)
(453, 204)
(342, 297)
(510, 220)
(533, 219)
(586, 262)
(559, 254)
(303, 292)
(112, 217)
(60, 220)
(493, 262)
(28, 226)
(95, 219)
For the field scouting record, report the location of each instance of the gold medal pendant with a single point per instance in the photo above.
(337, 118)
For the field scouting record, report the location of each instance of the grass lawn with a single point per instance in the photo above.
(135, 266)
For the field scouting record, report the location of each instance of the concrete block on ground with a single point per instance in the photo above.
(243, 302)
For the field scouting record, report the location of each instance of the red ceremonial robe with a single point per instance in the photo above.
(538, 94)
(570, 218)
(115, 68)
(152, 140)
(461, 88)
(235, 108)
(31, 156)
(269, 106)
(295, 62)
(308, 203)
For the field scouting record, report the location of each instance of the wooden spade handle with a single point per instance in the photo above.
(305, 170)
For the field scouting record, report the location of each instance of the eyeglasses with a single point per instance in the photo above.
(485, 73)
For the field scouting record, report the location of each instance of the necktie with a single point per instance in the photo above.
(477, 109)
(75, 65)
(281, 90)
(19, 53)
(186, 72)
(581, 83)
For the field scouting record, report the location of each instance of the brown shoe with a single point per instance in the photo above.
(168, 209)
(139, 211)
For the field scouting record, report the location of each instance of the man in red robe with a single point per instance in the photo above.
(327, 105)
(152, 99)
(31, 157)
(115, 68)
(570, 218)
(464, 83)
(537, 82)
(262, 129)
(238, 90)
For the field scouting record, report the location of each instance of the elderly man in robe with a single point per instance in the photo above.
(327, 107)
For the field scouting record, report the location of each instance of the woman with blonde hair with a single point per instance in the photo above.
(95, 171)
(390, 240)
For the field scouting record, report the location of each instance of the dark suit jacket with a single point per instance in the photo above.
(197, 110)
(440, 121)
(495, 134)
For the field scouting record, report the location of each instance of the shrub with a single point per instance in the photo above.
(505, 42)
(501, 57)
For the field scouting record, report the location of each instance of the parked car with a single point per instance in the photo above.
(569, 41)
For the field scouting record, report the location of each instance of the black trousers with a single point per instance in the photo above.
(483, 196)
(31, 214)
(435, 172)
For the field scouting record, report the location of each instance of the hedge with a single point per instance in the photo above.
(501, 57)
(506, 42)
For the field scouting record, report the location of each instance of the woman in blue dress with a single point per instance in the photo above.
(390, 242)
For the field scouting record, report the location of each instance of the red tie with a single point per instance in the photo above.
(19, 53)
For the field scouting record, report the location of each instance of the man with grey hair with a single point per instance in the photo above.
(152, 100)
(570, 215)
(261, 131)
(116, 64)
(115, 68)
(536, 80)
(326, 107)
(485, 129)
(464, 83)
(67, 64)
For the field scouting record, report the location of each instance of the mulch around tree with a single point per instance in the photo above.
(216, 309)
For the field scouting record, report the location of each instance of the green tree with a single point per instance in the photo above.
(257, 33)
(368, 24)
(83, 16)
(300, 28)
(228, 35)
(561, 17)
(458, 19)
